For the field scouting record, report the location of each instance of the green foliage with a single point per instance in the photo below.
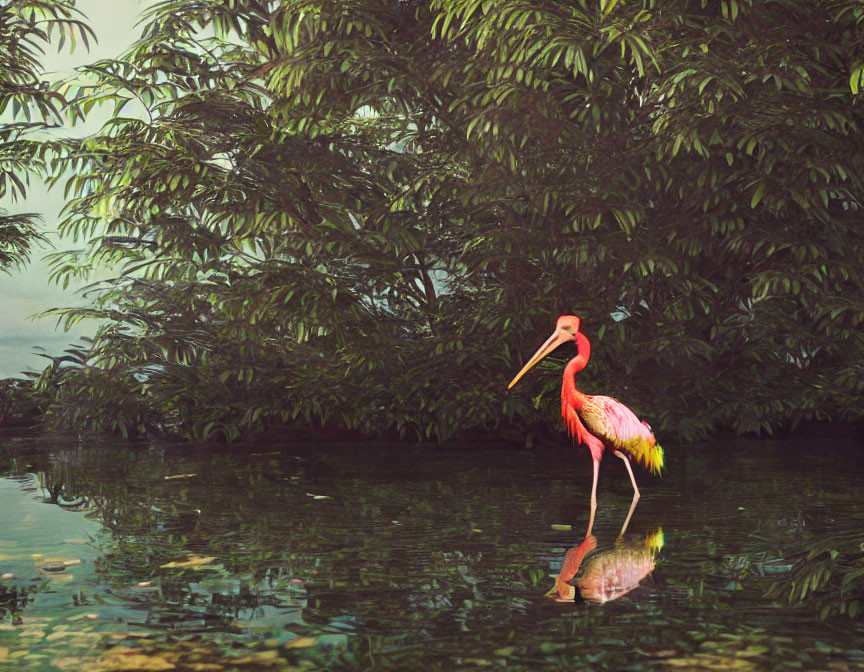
(368, 214)
(830, 577)
(27, 106)
(17, 405)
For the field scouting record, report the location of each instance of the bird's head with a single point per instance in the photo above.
(568, 323)
(565, 330)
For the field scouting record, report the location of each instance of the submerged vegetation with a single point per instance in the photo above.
(361, 216)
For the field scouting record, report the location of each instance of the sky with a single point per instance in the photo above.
(26, 292)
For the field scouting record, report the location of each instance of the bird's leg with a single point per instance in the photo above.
(618, 453)
(629, 514)
(593, 497)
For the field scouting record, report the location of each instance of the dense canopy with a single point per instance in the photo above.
(365, 215)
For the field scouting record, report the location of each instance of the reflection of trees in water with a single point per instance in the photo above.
(13, 599)
(278, 549)
(60, 494)
(149, 521)
(442, 554)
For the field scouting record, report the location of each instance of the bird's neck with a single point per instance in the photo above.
(570, 396)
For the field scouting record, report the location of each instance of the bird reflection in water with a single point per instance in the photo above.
(611, 573)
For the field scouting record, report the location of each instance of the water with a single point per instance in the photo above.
(378, 557)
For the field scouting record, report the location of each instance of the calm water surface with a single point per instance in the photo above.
(375, 557)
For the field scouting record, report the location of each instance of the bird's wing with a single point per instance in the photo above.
(620, 423)
(624, 431)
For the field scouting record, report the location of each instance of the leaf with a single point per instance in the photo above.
(301, 643)
(856, 77)
(132, 660)
(192, 561)
(757, 196)
(606, 6)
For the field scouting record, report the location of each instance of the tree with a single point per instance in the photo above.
(27, 106)
(366, 214)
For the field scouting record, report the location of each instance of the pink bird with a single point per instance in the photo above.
(600, 422)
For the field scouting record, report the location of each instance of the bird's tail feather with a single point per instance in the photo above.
(651, 457)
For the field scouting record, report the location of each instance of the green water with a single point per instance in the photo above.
(378, 557)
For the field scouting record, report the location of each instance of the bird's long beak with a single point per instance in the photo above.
(558, 337)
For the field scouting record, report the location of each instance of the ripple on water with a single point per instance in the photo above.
(338, 556)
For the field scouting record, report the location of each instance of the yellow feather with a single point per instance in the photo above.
(654, 540)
